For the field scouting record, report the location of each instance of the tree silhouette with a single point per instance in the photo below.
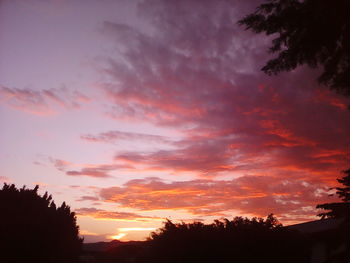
(311, 32)
(340, 209)
(238, 240)
(340, 236)
(33, 229)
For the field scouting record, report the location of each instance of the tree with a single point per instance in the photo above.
(33, 229)
(237, 240)
(339, 209)
(340, 236)
(311, 32)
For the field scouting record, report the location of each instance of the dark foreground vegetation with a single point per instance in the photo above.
(315, 33)
(34, 229)
(239, 240)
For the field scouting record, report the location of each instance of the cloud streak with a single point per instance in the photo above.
(90, 170)
(98, 172)
(43, 102)
(114, 136)
(104, 214)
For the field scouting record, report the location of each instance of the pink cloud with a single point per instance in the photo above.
(90, 170)
(201, 75)
(43, 102)
(113, 136)
(198, 73)
(59, 164)
(98, 172)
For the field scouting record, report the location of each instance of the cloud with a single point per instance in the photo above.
(103, 214)
(257, 144)
(59, 164)
(98, 172)
(42, 102)
(90, 170)
(88, 198)
(113, 136)
(205, 156)
(199, 73)
(254, 195)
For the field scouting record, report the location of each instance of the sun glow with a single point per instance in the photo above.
(122, 231)
(119, 236)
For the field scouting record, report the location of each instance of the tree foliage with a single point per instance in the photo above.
(311, 32)
(237, 240)
(340, 209)
(34, 229)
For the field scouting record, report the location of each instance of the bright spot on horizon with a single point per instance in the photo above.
(119, 236)
(122, 231)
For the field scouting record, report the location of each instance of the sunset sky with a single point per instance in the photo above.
(137, 111)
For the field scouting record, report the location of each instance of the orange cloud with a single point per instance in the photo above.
(257, 195)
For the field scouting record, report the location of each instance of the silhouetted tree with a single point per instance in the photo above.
(33, 229)
(339, 237)
(339, 209)
(311, 32)
(239, 240)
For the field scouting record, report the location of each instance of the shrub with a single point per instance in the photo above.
(33, 229)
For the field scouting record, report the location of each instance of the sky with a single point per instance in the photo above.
(137, 111)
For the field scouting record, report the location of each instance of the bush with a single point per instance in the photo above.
(33, 229)
(239, 240)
